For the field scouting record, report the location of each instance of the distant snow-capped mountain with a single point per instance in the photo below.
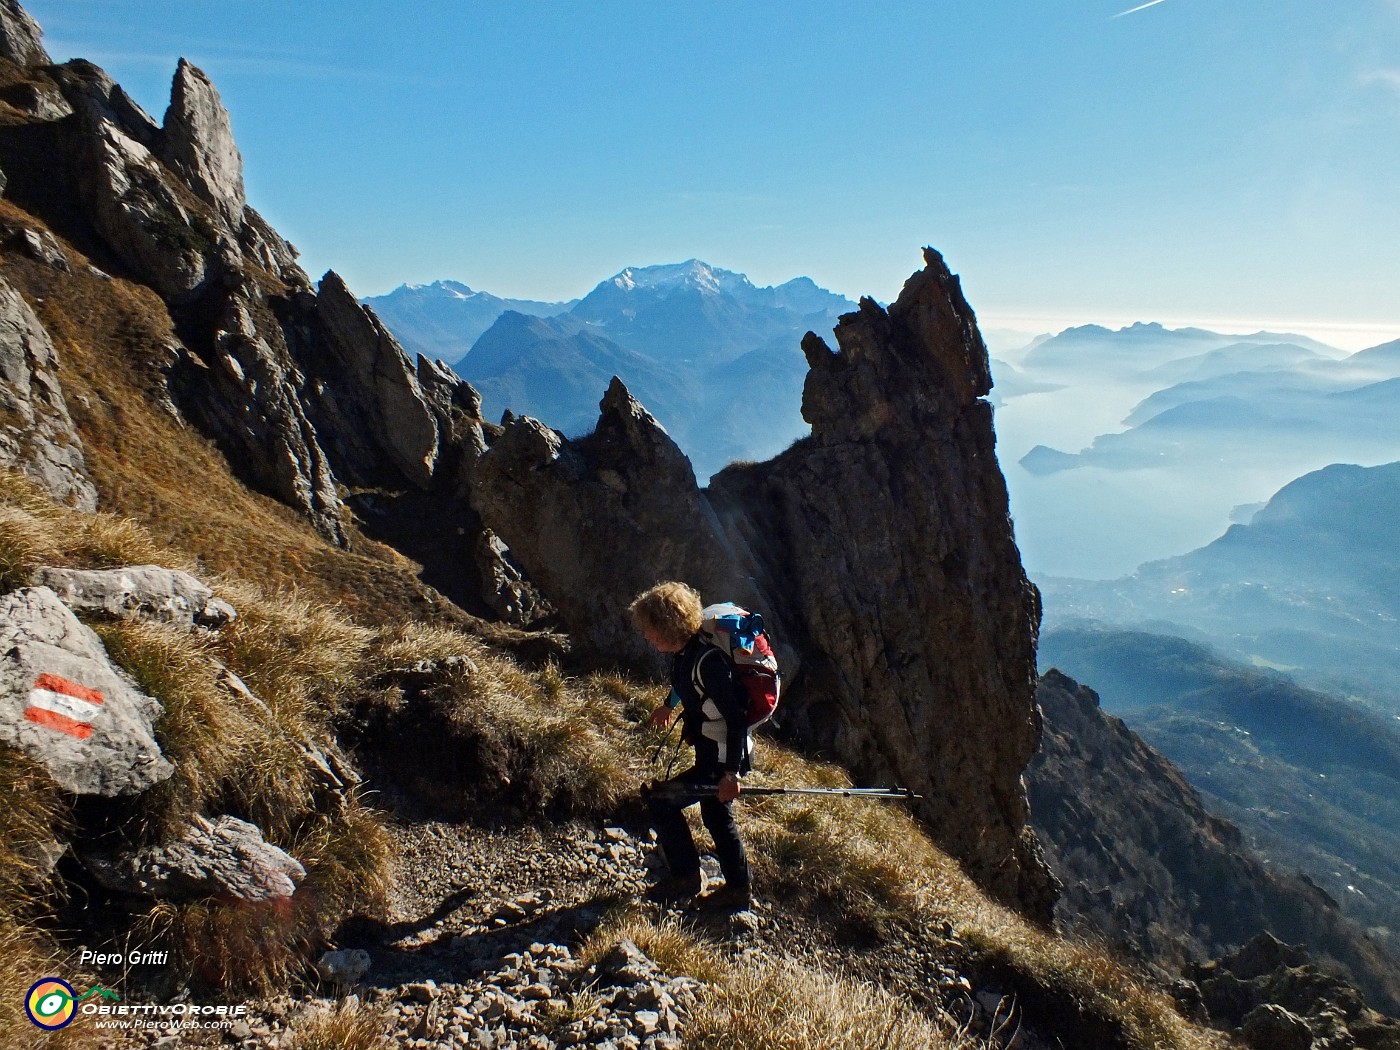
(715, 357)
(694, 311)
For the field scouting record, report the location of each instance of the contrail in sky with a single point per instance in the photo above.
(1140, 7)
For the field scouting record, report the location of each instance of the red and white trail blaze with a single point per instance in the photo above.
(68, 707)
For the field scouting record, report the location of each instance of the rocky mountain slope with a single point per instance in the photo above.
(295, 747)
(1147, 866)
(1312, 779)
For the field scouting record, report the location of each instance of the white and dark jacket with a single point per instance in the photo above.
(714, 707)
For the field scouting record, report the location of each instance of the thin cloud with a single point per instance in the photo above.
(1389, 78)
(1140, 7)
(229, 62)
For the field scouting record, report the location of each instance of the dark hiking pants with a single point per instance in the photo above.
(673, 833)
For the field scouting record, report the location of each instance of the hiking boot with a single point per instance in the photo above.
(729, 899)
(677, 888)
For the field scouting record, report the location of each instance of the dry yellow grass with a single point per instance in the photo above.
(209, 735)
(346, 1026)
(775, 1003)
(33, 815)
(231, 749)
(677, 949)
(872, 860)
(28, 955)
(559, 743)
(263, 947)
(234, 750)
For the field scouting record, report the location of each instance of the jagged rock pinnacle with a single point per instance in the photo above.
(199, 144)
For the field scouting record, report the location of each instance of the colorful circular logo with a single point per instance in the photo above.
(50, 1003)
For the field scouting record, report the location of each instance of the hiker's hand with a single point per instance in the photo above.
(728, 788)
(661, 717)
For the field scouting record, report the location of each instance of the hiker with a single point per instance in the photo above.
(715, 721)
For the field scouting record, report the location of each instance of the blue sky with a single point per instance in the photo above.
(1217, 161)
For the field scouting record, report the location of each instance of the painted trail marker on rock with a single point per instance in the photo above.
(67, 706)
(63, 705)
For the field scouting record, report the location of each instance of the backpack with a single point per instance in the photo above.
(739, 635)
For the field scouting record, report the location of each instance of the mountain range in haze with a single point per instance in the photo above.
(714, 357)
(1310, 585)
(1265, 401)
(1129, 446)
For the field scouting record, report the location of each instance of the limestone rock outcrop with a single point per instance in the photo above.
(198, 144)
(64, 704)
(20, 36)
(884, 546)
(597, 520)
(223, 858)
(504, 587)
(367, 401)
(37, 436)
(244, 389)
(145, 592)
(126, 194)
(308, 395)
(41, 245)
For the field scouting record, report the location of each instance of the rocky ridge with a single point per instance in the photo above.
(318, 405)
(302, 387)
(1145, 866)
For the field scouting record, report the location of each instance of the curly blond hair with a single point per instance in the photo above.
(671, 609)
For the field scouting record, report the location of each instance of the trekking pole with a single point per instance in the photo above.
(679, 792)
(675, 752)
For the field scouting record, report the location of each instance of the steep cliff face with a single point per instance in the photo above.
(881, 549)
(884, 545)
(1147, 867)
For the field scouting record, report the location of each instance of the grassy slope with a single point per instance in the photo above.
(307, 643)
